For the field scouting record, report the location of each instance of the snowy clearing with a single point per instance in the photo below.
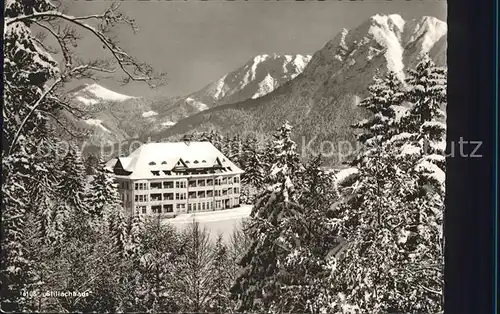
(96, 122)
(197, 104)
(87, 101)
(221, 221)
(168, 123)
(150, 113)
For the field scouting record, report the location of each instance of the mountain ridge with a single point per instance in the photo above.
(322, 101)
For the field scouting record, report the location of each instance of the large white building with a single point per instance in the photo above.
(173, 178)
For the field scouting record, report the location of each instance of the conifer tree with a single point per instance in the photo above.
(195, 277)
(251, 162)
(263, 265)
(135, 230)
(386, 96)
(117, 224)
(220, 302)
(73, 188)
(103, 192)
(158, 268)
(92, 163)
(40, 194)
(393, 219)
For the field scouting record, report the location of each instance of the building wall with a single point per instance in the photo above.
(170, 196)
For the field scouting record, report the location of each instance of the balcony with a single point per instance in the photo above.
(168, 184)
(155, 197)
(192, 184)
(192, 195)
(155, 185)
(201, 194)
(168, 196)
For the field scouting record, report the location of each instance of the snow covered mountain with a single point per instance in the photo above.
(322, 102)
(116, 117)
(92, 94)
(256, 78)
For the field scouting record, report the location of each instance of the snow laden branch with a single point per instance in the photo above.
(33, 109)
(133, 69)
(43, 97)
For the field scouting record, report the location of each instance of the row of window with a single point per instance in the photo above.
(182, 196)
(169, 208)
(212, 205)
(180, 184)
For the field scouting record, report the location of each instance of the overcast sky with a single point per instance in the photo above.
(198, 42)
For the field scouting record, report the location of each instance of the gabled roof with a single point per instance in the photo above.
(165, 156)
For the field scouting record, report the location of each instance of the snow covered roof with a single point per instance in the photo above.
(165, 156)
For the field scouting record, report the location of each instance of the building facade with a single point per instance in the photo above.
(168, 179)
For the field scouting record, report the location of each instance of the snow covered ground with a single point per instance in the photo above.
(221, 221)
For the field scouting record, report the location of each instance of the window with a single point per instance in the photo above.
(180, 184)
(142, 209)
(168, 184)
(168, 196)
(210, 182)
(141, 198)
(236, 190)
(203, 161)
(168, 208)
(196, 162)
(203, 206)
(156, 209)
(199, 206)
(141, 186)
(163, 162)
(192, 183)
(155, 173)
(201, 182)
(152, 163)
(189, 207)
(180, 196)
(236, 179)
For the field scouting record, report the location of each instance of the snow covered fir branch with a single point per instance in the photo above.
(365, 236)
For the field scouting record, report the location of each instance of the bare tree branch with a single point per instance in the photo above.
(140, 71)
